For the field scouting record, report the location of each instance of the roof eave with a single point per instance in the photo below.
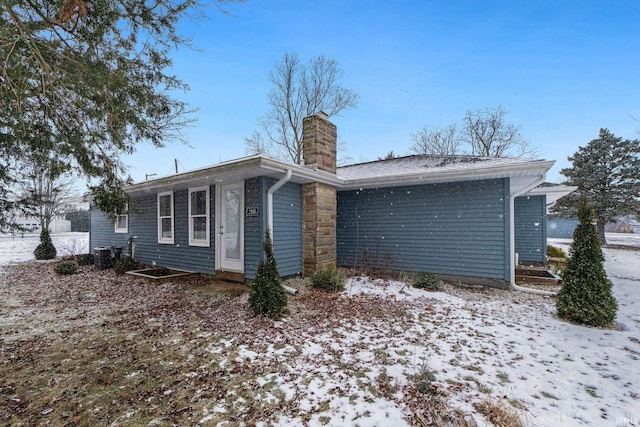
(534, 168)
(258, 163)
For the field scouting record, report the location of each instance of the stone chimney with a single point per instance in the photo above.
(319, 138)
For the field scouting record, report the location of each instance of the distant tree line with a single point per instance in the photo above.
(483, 132)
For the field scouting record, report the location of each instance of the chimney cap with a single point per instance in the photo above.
(322, 115)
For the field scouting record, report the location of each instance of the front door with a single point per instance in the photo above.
(230, 227)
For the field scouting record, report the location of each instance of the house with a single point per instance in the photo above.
(624, 225)
(32, 225)
(462, 217)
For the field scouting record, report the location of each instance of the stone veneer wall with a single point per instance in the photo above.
(319, 140)
(319, 227)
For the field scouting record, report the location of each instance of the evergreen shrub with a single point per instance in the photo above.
(585, 296)
(125, 264)
(267, 295)
(66, 267)
(330, 279)
(427, 281)
(45, 250)
(555, 252)
(86, 259)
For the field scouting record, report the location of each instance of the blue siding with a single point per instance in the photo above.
(287, 225)
(450, 228)
(531, 229)
(254, 226)
(143, 226)
(143, 229)
(102, 232)
(287, 206)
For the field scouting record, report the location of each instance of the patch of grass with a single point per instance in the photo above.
(591, 391)
(381, 355)
(518, 404)
(503, 377)
(386, 386)
(481, 387)
(477, 369)
(548, 395)
(498, 414)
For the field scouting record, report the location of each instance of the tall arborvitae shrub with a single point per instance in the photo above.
(267, 294)
(45, 250)
(585, 296)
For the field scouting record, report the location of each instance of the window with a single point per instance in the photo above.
(122, 222)
(199, 216)
(165, 217)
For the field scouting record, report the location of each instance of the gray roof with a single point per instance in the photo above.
(410, 170)
(416, 164)
(423, 169)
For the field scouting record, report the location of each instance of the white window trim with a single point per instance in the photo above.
(126, 216)
(165, 240)
(193, 241)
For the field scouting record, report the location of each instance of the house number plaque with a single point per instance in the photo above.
(252, 211)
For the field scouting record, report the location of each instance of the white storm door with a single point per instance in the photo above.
(230, 227)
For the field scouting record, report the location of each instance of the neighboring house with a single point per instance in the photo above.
(461, 217)
(624, 225)
(32, 225)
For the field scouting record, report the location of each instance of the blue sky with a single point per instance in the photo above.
(562, 69)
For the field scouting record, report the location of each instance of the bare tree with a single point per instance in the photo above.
(488, 134)
(343, 157)
(298, 91)
(46, 184)
(436, 141)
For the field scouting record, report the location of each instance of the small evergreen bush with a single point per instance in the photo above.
(585, 296)
(86, 259)
(424, 379)
(125, 264)
(66, 267)
(555, 252)
(427, 281)
(330, 279)
(267, 294)
(45, 250)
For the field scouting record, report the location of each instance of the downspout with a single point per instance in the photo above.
(270, 192)
(512, 241)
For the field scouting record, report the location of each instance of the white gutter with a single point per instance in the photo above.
(270, 192)
(512, 239)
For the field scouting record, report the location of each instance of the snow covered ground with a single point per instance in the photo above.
(17, 248)
(480, 343)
